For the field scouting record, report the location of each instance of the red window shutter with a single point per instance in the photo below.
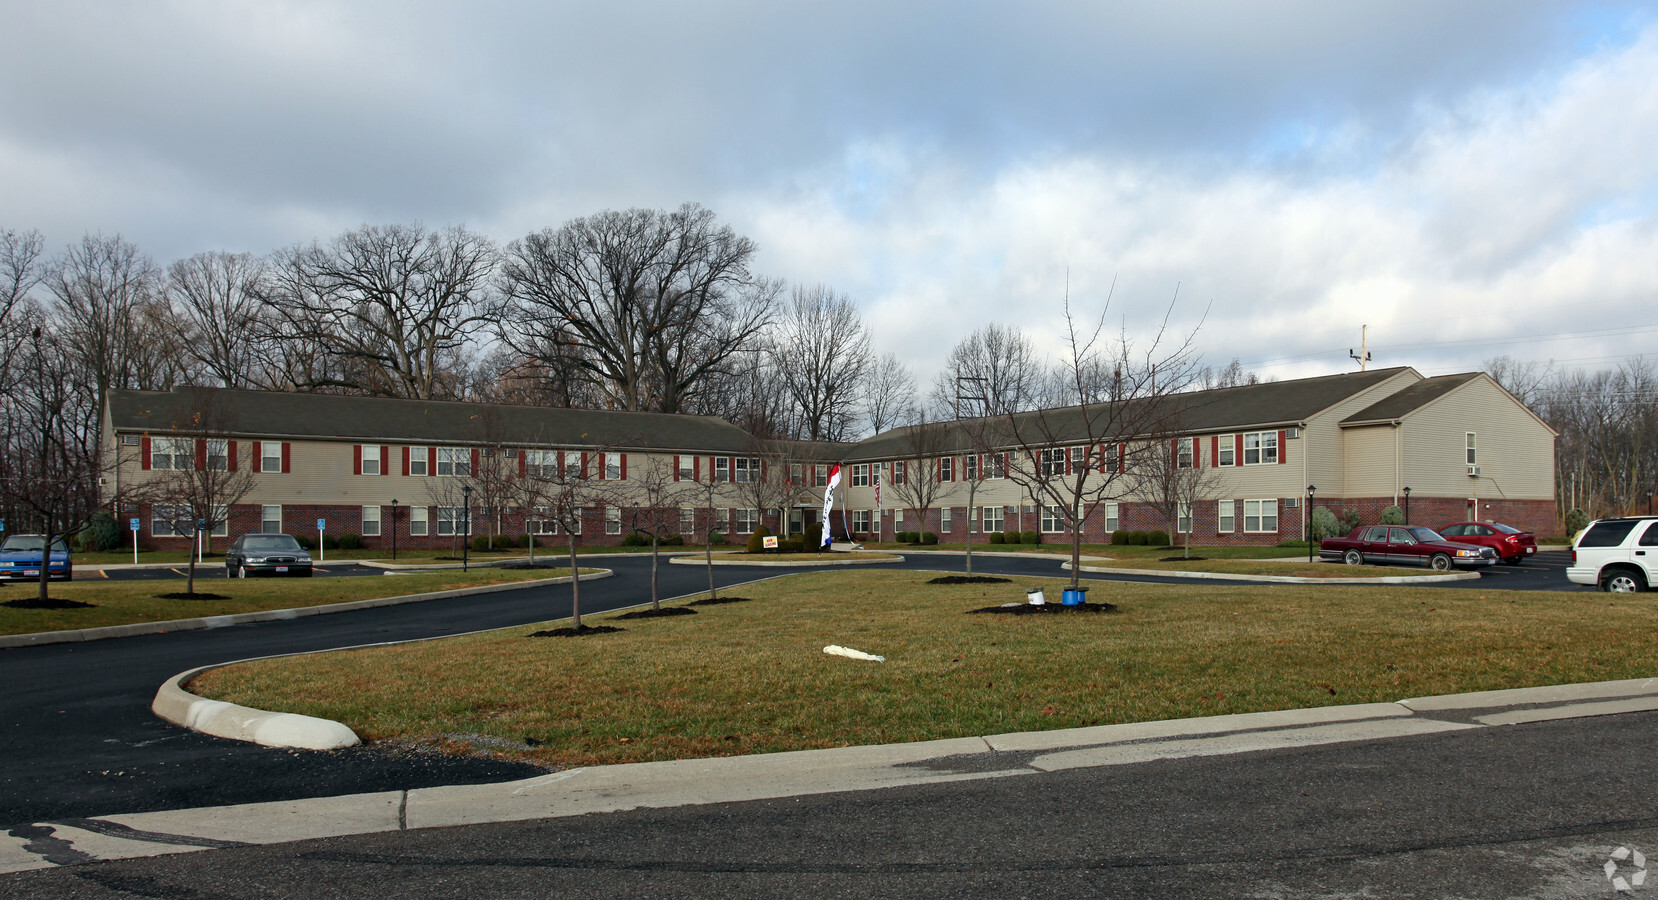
(730, 469)
(584, 464)
(1283, 457)
(676, 467)
(1067, 460)
(201, 454)
(144, 453)
(287, 457)
(232, 449)
(1214, 450)
(1174, 454)
(523, 463)
(696, 468)
(1237, 450)
(385, 460)
(762, 471)
(405, 461)
(624, 467)
(1122, 457)
(431, 460)
(474, 468)
(356, 459)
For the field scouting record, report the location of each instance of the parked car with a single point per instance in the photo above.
(1512, 544)
(20, 558)
(1410, 544)
(267, 554)
(1616, 554)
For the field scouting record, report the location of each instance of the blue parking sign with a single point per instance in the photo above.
(321, 524)
(133, 524)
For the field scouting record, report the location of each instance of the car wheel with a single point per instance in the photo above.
(1353, 558)
(305, 574)
(1623, 581)
(1440, 562)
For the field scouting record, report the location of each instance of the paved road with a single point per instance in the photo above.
(1522, 811)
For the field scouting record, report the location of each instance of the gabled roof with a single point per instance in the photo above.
(1409, 400)
(273, 414)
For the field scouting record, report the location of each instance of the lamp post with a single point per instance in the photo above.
(1309, 531)
(394, 529)
(466, 522)
(1407, 506)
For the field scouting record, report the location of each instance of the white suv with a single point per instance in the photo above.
(1616, 554)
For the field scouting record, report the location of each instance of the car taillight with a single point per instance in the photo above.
(1574, 556)
(1513, 539)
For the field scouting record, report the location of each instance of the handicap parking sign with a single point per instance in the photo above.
(133, 524)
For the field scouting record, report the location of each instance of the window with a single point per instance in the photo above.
(860, 517)
(161, 519)
(687, 521)
(612, 519)
(572, 465)
(541, 464)
(575, 521)
(898, 520)
(417, 462)
(860, 475)
(1051, 461)
(1226, 512)
(218, 455)
(990, 519)
(270, 456)
(747, 470)
(998, 465)
(417, 521)
(947, 470)
(722, 469)
(454, 461)
(613, 469)
(687, 468)
(746, 520)
(1473, 455)
(970, 467)
(944, 523)
(175, 521)
(1260, 516)
(797, 473)
(371, 461)
(1226, 450)
(822, 475)
(172, 453)
(270, 519)
(453, 520)
(1111, 517)
(900, 471)
(721, 521)
(1183, 453)
(129, 440)
(1260, 449)
(1053, 518)
(371, 521)
(541, 521)
(1183, 518)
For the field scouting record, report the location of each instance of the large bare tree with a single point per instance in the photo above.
(889, 397)
(104, 294)
(992, 372)
(648, 303)
(820, 352)
(216, 295)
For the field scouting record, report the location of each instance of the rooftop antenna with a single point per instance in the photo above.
(1363, 356)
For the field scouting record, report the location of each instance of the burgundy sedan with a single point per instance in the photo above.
(1512, 544)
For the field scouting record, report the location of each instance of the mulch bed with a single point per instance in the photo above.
(1181, 559)
(538, 564)
(583, 631)
(1046, 609)
(658, 613)
(968, 579)
(715, 601)
(49, 603)
(186, 595)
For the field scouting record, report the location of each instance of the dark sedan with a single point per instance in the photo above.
(1373, 544)
(1512, 544)
(267, 554)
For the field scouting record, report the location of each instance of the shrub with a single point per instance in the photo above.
(1291, 543)
(1010, 537)
(717, 538)
(330, 542)
(673, 539)
(1157, 539)
(304, 540)
(1119, 537)
(635, 539)
(1393, 515)
(1349, 520)
(996, 537)
(349, 541)
(927, 537)
(1030, 537)
(792, 545)
(814, 535)
(1576, 520)
(1325, 523)
(102, 533)
(528, 540)
(479, 543)
(1137, 538)
(756, 541)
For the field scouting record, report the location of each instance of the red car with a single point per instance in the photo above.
(1512, 544)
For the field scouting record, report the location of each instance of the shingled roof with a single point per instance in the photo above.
(1409, 400)
(274, 415)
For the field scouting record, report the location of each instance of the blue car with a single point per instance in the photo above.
(20, 558)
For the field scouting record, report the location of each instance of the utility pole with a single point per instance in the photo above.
(1363, 356)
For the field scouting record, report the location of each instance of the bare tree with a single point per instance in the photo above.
(652, 302)
(1172, 476)
(101, 289)
(992, 372)
(917, 475)
(560, 492)
(1527, 381)
(21, 271)
(217, 296)
(890, 396)
(394, 305)
(820, 353)
(710, 494)
(653, 511)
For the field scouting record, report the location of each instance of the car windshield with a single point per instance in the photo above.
(32, 542)
(1505, 529)
(270, 542)
(1425, 535)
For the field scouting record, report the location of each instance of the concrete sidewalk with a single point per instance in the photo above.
(721, 780)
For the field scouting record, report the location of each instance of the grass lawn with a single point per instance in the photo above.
(751, 677)
(129, 602)
(1115, 551)
(179, 557)
(1299, 568)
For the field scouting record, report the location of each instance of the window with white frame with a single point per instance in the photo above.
(1053, 518)
(1226, 512)
(944, 520)
(822, 475)
(990, 519)
(1183, 518)
(998, 465)
(541, 464)
(417, 460)
(454, 461)
(860, 521)
(1473, 455)
(1111, 517)
(797, 472)
(613, 467)
(371, 521)
(574, 525)
(1226, 450)
(900, 471)
(371, 460)
(453, 520)
(1260, 516)
(687, 521)
(722, 469)
(1051, 461)
(541, 521)
(1260, 448)
(218, 455)
(1184, 452)
(178, 521)
(270, 456)
(572, 465)
(947, 468)
(746, 470)
(898, 520)
(860, 475)
(418, 521)
(970, 467)
(172, 453)
(720, 521)
(613, 520)
(687, 468)
(745, 520)
(270, 519)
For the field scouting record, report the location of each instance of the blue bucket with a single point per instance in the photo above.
(1074, 596)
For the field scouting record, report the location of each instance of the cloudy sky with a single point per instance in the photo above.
(1468, 179)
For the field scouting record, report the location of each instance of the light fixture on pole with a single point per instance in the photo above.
(1407, 506)
(466, 522)
(394, 529)
(1308, 531)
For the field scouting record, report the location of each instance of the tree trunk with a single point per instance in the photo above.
(575, 583)
(45, 566)
(656, 594)
(708, 554)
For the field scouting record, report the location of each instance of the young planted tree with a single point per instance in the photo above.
(653, 510)
(562, 493)
(916, 476)
(1174, 480)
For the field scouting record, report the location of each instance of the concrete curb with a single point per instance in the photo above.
(668, 784)
(269, 615)
(1281, 579)
(240, 723)
(797, 564)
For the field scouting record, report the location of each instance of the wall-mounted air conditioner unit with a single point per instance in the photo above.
(1473, 471)
(1291, 434)
(1292, 502)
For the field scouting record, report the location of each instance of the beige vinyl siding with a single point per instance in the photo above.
(1322, 440)
(1516, 451)
(1371, 462)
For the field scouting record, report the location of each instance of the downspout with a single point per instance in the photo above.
(1306, 508)
(1398, 459)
